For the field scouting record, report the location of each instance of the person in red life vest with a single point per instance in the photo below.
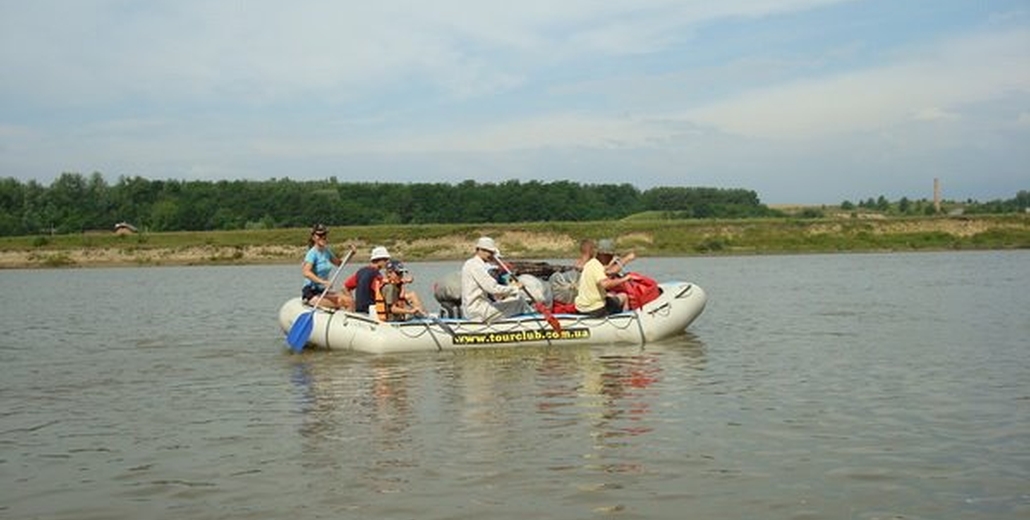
(366, 282)
(400, 304)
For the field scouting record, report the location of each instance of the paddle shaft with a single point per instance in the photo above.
(332, 280)
(300, 331)
(446, 328)
(555, 324)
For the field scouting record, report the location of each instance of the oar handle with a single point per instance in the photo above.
(521, 285)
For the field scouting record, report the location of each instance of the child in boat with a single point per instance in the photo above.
(400, 304)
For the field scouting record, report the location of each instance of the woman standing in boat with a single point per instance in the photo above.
(318, 263)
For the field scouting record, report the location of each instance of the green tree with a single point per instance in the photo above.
(883, 204)
(905, 206)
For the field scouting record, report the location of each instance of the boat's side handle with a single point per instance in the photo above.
(685, 290)
(659, 308)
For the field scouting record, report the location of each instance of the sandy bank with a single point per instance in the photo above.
(653, 238)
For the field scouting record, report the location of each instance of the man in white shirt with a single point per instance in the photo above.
(482, 297)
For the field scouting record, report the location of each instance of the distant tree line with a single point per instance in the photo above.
(906, 206)
(74, 203)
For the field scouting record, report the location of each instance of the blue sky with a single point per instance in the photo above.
(803, 101)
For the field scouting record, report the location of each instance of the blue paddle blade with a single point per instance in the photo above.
(300, 331)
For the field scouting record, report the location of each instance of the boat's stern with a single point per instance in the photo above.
(678, 306)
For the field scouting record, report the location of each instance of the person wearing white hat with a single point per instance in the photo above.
(482, 297)
(365, 283)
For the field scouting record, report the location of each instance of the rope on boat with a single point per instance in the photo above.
(664, 309)
(329, 321)
(640, 327)
(415, 332)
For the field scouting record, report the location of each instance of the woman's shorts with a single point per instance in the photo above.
(310, 292)
(612, 305)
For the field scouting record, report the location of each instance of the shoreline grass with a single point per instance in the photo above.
(649, 237)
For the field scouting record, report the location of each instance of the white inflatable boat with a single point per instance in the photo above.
(670, 314)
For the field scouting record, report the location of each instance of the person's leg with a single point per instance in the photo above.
(344, 301)
(329, 301)
(512, 306)
(615, 304)
(414, 301)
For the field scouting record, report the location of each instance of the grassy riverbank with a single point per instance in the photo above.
(649, 237)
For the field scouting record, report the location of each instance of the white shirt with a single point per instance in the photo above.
(477, 286)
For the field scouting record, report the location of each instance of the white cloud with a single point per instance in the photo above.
(967, 70)
(539, 88)
(553, 131)
(935, 85)
(81, 53)
(934, 114)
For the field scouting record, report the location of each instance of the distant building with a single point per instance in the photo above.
(124, 228)
(937, 195)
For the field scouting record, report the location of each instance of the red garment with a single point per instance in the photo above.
(640, 289)
(564, 308)
(351, 282)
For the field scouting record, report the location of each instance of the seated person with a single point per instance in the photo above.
(592, 297)
(364, 284)
(616, 264)
(400, 304)
(318, 263)
(482, 297)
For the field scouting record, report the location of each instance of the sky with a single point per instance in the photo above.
(802, 101)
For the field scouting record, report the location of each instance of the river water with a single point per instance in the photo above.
(872, 386)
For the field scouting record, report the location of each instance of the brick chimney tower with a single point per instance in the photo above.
(937, 194)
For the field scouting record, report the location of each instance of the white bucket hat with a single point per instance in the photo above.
(488, 244)
(379, 253)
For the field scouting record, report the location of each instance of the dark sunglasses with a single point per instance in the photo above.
(321, 235)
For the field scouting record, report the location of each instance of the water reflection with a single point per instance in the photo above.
(368, 390)
(488, 413)
(356, 415)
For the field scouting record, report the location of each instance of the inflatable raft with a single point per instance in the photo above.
(679, 304)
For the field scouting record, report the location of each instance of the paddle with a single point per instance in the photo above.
(548, 315)
(446, 328)
(300, 331)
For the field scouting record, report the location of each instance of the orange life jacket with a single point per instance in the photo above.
(377, 292)
(381, 308)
